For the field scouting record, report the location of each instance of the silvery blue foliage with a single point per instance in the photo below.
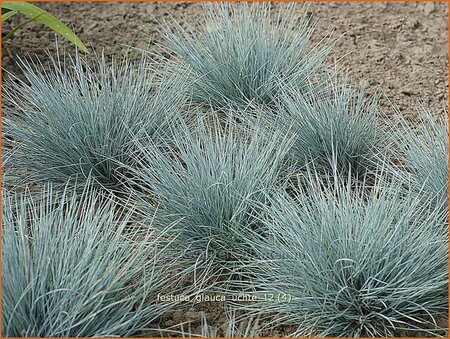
(242, 53)
(335, 128)
(422, 151)
(77, 119)
(71, 267)
(351, 261)
(209, 178)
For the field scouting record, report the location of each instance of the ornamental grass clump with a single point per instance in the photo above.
(335, 129)
(422, 152)
(209, 178)
(71, 268)
(242, 52)
(352, 262)
(76, 120)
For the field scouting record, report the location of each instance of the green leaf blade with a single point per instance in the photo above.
(8, 14)
(47, 19)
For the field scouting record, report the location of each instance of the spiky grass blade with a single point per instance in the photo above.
(209, 177)
(242, 52)
(421, 148)
(351, 263)
(77, 120)
(71, 268)
(335, 129)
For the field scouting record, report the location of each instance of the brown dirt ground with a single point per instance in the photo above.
(398, 49)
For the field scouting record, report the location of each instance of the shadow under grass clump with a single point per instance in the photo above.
(352, 262)
(72, 269)
(78, 119)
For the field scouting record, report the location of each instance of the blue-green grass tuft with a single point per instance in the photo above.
(242, 52)
(339, 260)
(77, 119)
(71, 267)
